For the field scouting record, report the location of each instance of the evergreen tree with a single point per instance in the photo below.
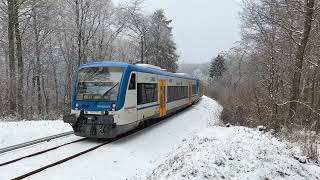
(161, 48)
(217, 66)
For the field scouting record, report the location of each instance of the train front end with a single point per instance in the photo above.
(97, 100)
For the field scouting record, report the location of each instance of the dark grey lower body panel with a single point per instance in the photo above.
(172, 111)
(102, 131)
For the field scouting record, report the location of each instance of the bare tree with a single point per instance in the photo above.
(139, 25)
(296, 79)
(12, 60)
(43, 42)
(20, 98)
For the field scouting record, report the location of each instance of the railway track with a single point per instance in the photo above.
(70, 157)
(40, 152)
(37, 141)
(61, 161)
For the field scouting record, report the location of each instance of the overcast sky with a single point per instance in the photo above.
(201, 28)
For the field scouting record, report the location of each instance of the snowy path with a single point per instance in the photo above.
(189, 145)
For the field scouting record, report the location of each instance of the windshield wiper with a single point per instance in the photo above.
(110, 89)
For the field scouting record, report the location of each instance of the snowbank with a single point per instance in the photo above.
(12, 133)
(233, 153)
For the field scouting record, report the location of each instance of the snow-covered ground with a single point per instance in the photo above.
(233, 153)
(189, 145)
(12, 133)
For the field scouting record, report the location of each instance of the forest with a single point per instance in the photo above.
(272, 75)
(43, 42)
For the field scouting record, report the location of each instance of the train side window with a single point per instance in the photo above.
(194, 89)
(177, 92)
(147, 93)
(132, 84)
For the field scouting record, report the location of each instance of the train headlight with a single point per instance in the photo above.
(77, 106)
(113, 106)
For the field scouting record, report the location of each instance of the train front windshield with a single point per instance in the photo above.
(99, 84)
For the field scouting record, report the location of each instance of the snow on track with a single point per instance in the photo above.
(8, 156)
(12, 133)
(29, 164)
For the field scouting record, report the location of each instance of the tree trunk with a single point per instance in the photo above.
(38, 64)
(296, 79)
(145, 50)
(33, 90)
(318, 106)
(20, 100)
(45, 97)
(29, 93)
(12, 61)
(7, 83)
(56, 88)
(79, 28)
(142, 50)
(68, 89)
(313, 89)
(318, 122)
(257, 105)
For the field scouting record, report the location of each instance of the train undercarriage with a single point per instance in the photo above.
(96, 126)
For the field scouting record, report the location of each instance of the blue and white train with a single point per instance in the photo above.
(111, 98)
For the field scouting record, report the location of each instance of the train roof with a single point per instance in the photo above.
(135, 68)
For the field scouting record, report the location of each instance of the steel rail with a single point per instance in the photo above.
(81, 153)
(29, 143)
(62, 161)
(41, 152)
(139, 128)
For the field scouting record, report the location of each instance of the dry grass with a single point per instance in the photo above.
(240, 108)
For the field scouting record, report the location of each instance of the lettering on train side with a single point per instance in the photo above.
(103, 106)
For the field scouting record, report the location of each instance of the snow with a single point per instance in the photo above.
(12, 133)
(233, 153)
(193, 144)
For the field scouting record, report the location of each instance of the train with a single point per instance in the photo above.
(111, 98)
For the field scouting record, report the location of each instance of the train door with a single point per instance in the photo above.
(190, 93)
(163, 97)
(131, 99)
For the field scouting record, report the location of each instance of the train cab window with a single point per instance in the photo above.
(132, 84)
